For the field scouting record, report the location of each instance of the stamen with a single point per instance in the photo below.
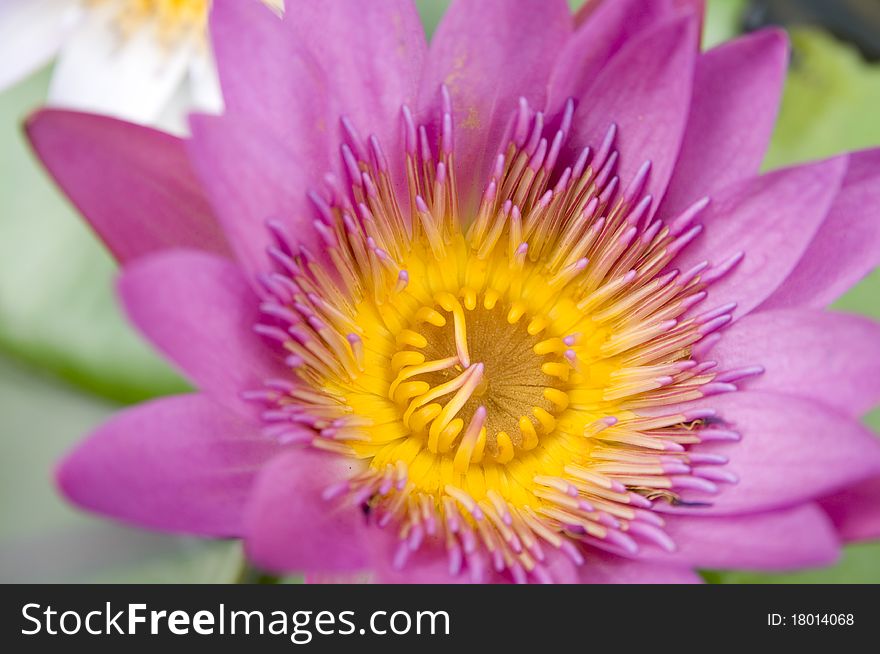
(475, 431)
(529, 419)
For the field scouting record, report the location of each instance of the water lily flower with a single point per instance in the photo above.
(143, 60)
(515, 306)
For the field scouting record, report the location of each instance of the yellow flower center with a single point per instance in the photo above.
(491, 371)
(467, 367)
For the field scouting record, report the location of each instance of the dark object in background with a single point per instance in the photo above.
(856, 21)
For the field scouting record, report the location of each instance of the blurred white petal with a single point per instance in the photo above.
(204, 84)
(200, 93)
(172, 119)
(31, 32)
(131, 77)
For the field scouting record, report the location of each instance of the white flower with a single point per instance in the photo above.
(146, 61)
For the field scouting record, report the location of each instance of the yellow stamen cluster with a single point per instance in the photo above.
(489, 369)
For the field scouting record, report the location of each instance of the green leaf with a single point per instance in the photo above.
(830, 102)
(860, 564)
(722, 22)
(57, 306)
(431, 12)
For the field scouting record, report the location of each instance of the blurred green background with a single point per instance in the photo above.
(68, 359)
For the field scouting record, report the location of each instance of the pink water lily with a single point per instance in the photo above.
(515, 306)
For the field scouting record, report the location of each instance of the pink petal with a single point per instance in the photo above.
(258, 60)
(433, 572)
(600, 36)
(291, 527)
(359, 577)
(604, 568)
(429, 565)
(251, 178)
(181, 464)
(792, 451)
(646, 91)
(489, 53)
(832, 358)
(737, 88)
(200, 312)
(371, 54)
(784, 539)
(847, 245)
(856, 511)
(586, 11)
(321, 62)
(134, 184)
(772, 219)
